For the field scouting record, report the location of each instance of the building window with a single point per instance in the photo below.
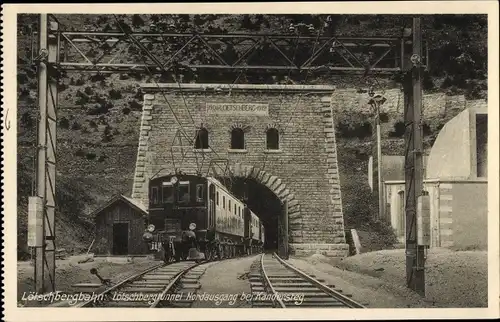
(201, 141)
(229, 205)
(237, 139)
(402, 213)
(168, 194)
(223, 202)
(217, 198)
(183, 191)
(199, 193)
(154, 195)
(273, 139)
(482, 145)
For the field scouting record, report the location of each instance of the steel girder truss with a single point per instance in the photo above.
(114, 52)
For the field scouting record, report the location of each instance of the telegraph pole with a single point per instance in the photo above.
(415, 253)
(379, 168)
(376, 102)
(46, 161)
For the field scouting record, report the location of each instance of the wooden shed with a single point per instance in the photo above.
(119, 226)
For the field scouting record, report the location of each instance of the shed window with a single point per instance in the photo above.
(154, 195)
(168, 194)
(183, 192)
(199, 192)
(201, 141)
(237, 139)
(273, 139)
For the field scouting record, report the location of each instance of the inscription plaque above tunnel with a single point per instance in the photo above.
(303, 171)
(237, 109)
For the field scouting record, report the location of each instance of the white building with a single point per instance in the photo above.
(455, 179)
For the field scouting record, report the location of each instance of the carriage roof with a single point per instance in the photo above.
(223, 187)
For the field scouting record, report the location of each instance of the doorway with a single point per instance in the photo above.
(120, 238)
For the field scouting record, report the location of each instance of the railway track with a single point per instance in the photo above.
(157, 286)
(275, 283)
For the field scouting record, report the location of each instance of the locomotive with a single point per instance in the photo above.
(193, 217)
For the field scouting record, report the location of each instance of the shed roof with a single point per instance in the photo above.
(136, 204)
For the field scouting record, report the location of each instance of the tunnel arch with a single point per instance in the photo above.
(278, 187)
(274, 187)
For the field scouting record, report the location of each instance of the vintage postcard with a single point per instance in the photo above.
(219, 161)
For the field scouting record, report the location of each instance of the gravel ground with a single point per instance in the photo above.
(227, 279)
(453, 278)
(367, 290)
(69, 272)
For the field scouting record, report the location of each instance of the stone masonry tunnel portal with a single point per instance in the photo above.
(279, 139)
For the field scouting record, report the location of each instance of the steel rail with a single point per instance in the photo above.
(174, 281)
(120, 284)
(269, 285)
(337, 295)
(133, 277)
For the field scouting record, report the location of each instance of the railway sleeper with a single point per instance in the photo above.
(132, 289)
(157, 277)
(148, 283)
(288, 290)
(301, 284)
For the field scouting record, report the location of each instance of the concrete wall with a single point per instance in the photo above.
(470, 215)
(303, 171)
(458, 212)
(395, 199)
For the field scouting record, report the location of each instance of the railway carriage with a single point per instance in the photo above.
(190, 214)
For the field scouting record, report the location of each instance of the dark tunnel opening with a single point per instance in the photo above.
(263, 202)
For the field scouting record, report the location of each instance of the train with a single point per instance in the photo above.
(192, 217)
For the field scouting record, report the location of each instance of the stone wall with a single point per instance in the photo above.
(303, 171)
(437, 108)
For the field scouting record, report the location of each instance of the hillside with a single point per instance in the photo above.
(99, 115)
